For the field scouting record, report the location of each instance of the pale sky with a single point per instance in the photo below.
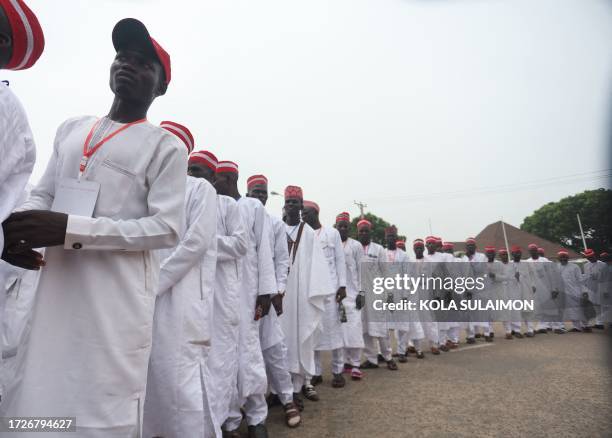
(407, 105)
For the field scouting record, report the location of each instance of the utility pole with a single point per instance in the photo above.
(361, 207)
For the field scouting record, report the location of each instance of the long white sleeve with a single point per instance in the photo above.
(340, 260)
(199, 236)
(281, 254)
(233, 244)
(265, 265)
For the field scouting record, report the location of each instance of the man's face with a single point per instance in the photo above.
(504, 257)
(490, 256)
(6, 39)
(431, 247)
(198, 170)
(259, 191)
(592, 259)
(418, 250)
(136, 77)
(223, 182)
(516, 256)
(470, 248)
(449, 251)
(563, 259)
(391, 240)
(343, 229)
(363, 234)
(533, 252)
(310, 216)
(605, 258)
(293, 207)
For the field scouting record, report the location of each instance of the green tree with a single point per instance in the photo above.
(557, 222)
(378, 228)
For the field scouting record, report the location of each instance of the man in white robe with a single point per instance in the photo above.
(19, 30)
(436, 269)
(222, 378)
(97, 291)
(331, 325)
(176, 403)
(509, 290)
(425, 316)
(257, 285)
(476, 262)
(308, 285)
(352, 330)
(271, 334)
(375, 322)
(573, 283)
(593, 279)
(521, 272)
(453, 327)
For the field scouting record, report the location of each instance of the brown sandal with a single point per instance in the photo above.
(292, 415)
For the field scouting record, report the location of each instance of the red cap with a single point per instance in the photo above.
(502, 251)
(364, 223)
(227, 167)
(343, 217)
(181, 132)
(390, 230)
(515, 248)
(588, 253)
(401, 244)
(490, 249)
(603, 254)
(532, 246)
(28, 37)
(311, 204)
(294, 192)
(256, 180)
(540, 250)
(430, 239)
(448, 245)
(131, 33)
(562, 252)
(418, 242)
(470, 240)
(206, 158)
(438, 239)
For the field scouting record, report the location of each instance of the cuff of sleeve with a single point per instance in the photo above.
(78, 232)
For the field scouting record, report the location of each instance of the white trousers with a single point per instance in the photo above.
(510, 326)
(530, 326)
(431, 332)
(353, 356)
(371, 348)
(472, 328)
(552, 325)
(337, 361)
(404, 342)
(453, 333)
(279, 378)
(298, 381)
(255, 411)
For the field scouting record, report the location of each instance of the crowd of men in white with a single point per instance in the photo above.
(165, 304)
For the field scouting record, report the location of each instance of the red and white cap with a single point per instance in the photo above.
(28, 37)
(588, 253)
(256, 180)
(515, 248)
(364, 223)
(540, 250)
(227, 167)
(204, 157)
(130, 33)
(502, 251)
(294, 192)
(418, 242)
(603, 254)
(563, 252)
(470, 241)
(431, 239)
(343, 217)
(490, 249)
(312, 204)
(448, 245)
(438, 239)
(532, 246)
(181, 132)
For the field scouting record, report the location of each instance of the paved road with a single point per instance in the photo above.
(550, 385)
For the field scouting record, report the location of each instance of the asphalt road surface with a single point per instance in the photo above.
(550, 385)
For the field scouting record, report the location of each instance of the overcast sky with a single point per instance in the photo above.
(383, 101)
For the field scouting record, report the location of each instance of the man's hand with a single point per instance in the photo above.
(262, 306)
(34, 229)
(340, 294)
(360, 301)
(277, 302)
(28, 259)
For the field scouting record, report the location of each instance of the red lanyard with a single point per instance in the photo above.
(87, 153)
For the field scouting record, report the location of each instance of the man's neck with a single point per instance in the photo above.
(123, 111)
(365, 244)
(344, 239)
(419, 257)
(292, 220)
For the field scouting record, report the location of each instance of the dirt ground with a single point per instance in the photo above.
(550, 385)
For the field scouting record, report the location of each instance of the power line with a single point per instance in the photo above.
(361, 207)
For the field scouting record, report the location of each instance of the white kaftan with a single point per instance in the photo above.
(352, 330)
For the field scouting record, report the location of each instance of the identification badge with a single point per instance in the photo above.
(76, 197)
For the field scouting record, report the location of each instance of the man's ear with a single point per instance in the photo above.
(161, 88)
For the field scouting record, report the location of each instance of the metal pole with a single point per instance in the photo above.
(505, 236)
(581, 232)
(430, 232)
